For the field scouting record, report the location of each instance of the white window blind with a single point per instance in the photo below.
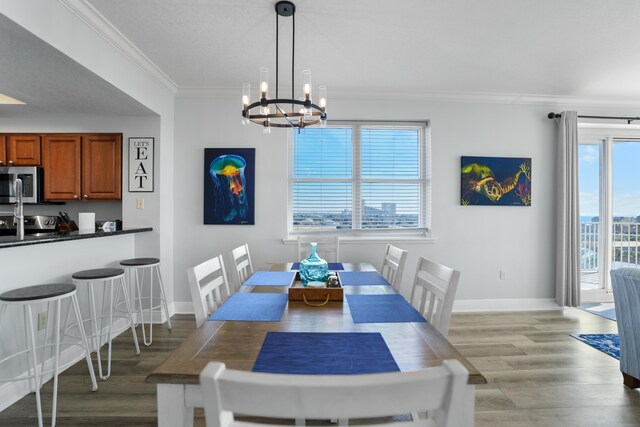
(359, 177)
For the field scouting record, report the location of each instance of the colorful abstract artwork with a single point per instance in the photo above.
(490, 181)
(229, 185)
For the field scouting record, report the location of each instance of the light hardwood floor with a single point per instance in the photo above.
(538, 376)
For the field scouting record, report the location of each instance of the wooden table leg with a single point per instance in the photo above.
(172, 410)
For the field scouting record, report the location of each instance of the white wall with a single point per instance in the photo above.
(477, 240)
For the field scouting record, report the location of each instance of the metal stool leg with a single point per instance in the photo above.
(109, 336)
(27, 342)
(132, 323)
(94, 320)
(138, 289)
(164, 297)
(43, 356)
(150, 306)
(85, 344)
(56, 365)
(29, 315)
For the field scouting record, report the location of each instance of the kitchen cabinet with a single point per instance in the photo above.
(61, 161)
(3, 150)
(20, 150)
(102, 167)
(82, 167)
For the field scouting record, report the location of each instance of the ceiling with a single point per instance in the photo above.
(569, 48)
(49, 82)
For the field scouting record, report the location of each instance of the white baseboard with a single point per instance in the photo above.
(179, 307)
(11, 392)
(532, 304)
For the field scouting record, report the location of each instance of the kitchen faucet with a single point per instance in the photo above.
(18, 213)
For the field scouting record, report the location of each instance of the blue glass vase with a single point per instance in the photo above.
(314, 268)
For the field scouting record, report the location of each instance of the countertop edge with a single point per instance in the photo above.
(70, 236)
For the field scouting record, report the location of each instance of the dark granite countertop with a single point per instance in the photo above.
(37, 239)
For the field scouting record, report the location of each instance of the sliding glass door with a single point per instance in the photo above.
(626, 203)
(589, 174)
(609, 211)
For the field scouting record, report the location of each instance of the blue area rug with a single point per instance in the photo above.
(606, 343)
(333, 353)
(252, 308)
(603, 310)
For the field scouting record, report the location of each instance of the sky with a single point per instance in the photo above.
(626, 178)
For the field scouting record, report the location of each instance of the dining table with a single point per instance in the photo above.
(414, 345)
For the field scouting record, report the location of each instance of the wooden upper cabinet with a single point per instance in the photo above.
(102, 167)
(23, 150)
(61, 161)
(3, 150)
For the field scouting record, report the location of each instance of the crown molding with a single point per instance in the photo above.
(478, 97)
(97, 22)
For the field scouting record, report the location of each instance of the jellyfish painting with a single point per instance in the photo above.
(229, 192)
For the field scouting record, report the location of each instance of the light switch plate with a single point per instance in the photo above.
(140, 203)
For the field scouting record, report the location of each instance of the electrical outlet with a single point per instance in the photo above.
(503, 275)
(42, 320)
(140, 203)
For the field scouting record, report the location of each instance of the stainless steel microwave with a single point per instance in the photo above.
(32, 186)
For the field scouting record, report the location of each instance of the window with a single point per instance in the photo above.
(609, 205)
(359, 178)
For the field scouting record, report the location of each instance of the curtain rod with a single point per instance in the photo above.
(553, 115)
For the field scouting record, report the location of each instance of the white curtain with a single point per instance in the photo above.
(568, 219)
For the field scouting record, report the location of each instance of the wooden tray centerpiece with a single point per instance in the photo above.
(315, 296)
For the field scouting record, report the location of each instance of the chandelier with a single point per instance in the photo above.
(283, 112)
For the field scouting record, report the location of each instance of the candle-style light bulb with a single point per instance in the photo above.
(306, 84)
(322, 94)
(264, 82)
(246, 94)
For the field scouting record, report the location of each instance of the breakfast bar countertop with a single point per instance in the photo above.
(36, 239)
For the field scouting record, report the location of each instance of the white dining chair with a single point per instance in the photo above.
(242, 268)
(393, 266)
(439, 390)
(328, 247)
(209, 288)
(434, 289)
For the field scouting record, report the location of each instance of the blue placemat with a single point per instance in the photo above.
(324, 354)
(362, 278)
(252, 308)
(333, 266)
(271, 278)
(382, 309)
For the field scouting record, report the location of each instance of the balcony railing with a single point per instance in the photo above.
(624, 249)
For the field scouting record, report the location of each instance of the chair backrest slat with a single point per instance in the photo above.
(433, 293)
(393, 266)
(439, 391)
(328, 247)
(242, 266)
(208, 286)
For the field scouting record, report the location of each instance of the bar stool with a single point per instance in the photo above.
(141, 265)
(107, 276)
(39, 294)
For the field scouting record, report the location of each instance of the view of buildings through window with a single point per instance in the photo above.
(358, 177)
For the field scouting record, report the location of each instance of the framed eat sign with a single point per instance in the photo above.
(140, 165)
